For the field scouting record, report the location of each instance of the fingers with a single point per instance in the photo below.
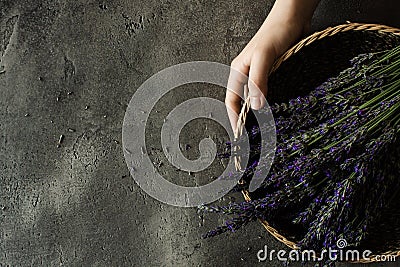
(261, 63)
(258, 76)
(234, 93)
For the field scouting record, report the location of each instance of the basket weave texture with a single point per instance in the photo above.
(308, 64)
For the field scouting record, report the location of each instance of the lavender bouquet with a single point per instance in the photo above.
(335, 165)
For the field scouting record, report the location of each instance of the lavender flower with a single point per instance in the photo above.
(328, 174)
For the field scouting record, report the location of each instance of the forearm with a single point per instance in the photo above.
(298, 12)
(292, 15)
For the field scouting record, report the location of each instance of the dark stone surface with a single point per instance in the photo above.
(69, 68)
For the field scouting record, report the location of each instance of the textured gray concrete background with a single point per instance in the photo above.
(70, 68)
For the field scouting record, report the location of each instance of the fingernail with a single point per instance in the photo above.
(255, 102)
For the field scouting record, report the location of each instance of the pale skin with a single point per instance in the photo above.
(285, 24)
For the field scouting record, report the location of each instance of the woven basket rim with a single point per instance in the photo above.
(330, 31)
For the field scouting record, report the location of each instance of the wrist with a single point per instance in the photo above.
(281, 34)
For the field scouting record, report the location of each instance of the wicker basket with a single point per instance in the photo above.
(314, 59)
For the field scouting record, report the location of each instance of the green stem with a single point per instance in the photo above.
(391, 111)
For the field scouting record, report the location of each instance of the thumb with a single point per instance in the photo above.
(260, 67)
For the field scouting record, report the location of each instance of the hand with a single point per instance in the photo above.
(287, 21)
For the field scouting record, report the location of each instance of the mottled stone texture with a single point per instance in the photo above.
(69, 68)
